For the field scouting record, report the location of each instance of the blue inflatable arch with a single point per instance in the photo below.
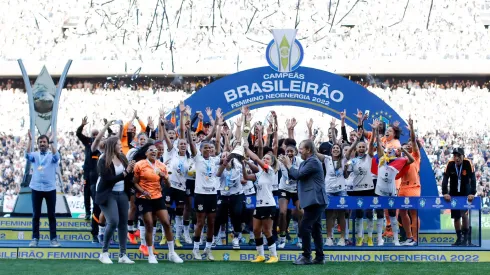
(308, 88)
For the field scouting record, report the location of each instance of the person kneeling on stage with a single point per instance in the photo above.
(460, 175)
(149, 175)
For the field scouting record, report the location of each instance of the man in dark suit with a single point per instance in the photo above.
(312, 198)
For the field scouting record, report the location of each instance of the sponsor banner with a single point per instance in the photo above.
(86, 236)
(8, 253)
(26, 223)
(421, 203)
(286, 256)
(9, 203)
(77, 206)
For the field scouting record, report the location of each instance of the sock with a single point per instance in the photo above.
(101, 230)
(360, 228)
(260, 250)
(272, 249)
(171, 247)
(394, 228)
(196, 245)
(153, 235)
(178, 226)
(331, 232)
(186, 230)
(150, 251)
(346, 233)
(142, 234)
(370, 227)
(131, 226)
(379, 228)
(208, 245)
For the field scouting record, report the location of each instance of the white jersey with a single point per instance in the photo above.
(230, 180)
(285, 183)
(206, 181)
(361, 175)
(264, 183)
(179, 166)
(334, 179)
(385, 186)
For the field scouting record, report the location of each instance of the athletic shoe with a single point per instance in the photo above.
(329, 242)
(209, 254)
(348, 242)
(144, 249)
(396, 243)
(458, 242)
(95, 239)
(299, 245)
(187, 239)
(370, 241)
(163, 241)
(34, 243)
(152, 259)
(104, 258)
(236, 243)
(341, 242)
(196, 254)
(178, 244)
(388, 232)
(125, 260)
(155, 252)
(137, 234)
(173, 257)
(381, 242)
(409, 242)
(359, 241)
(54, 243)
(259, 259)
(132, 238)
(272, 260)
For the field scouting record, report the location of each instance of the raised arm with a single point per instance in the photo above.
(182, 118)
(275, 137)
(309, 125)
(353, 147)
(247, 176)
(290, 124)
(254, 157)
(260, 141)
(371, 146)
(83, 138)
(409, 156)
(343, 131)
(219, 122)
(413, 140)
(95, 144)
(333, 126)
(192, 144)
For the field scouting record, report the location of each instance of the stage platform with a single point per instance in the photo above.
(75, 237)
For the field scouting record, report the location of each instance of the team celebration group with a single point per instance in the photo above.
(218, 171)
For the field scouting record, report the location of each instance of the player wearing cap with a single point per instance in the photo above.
(460, 178)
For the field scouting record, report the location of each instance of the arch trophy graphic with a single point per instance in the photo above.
(43, 99)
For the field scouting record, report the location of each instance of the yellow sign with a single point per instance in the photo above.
(8, 253)
(26, 223)
(286, 256)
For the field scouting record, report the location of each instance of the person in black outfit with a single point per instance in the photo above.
(90, 175)
(460, 175)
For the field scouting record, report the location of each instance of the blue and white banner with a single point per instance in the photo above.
(420, 203)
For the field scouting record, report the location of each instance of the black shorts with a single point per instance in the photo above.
(363, 193)
(189, 187)
(172, 195)
(283, 194)
(458, 213)
(205, 203)
(153, 205)
(263, 213)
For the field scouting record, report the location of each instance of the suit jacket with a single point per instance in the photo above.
(311, 183)
(108, 179)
